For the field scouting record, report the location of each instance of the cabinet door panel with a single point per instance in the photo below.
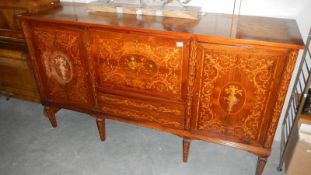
(236, 91)
(136, 63)
(59, 54)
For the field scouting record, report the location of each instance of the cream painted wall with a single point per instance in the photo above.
(298, 9)
(303, 19)
(273, 8)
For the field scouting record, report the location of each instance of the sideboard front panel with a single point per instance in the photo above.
(236, 90)
(59, 55)
(142, 64)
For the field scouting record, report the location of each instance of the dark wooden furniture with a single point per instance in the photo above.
(219, 79)
(16, 76)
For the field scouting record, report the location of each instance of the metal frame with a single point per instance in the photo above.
(295, 106)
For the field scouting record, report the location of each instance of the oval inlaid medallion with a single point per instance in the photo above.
(138, 64)
(58, 66)
(232, 98)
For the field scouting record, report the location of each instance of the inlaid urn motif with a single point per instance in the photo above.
(232, 98)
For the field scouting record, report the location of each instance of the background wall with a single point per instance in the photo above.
(303, 18)
(274, 8)
(298, 9)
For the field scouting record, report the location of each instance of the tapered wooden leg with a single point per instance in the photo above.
(101, 128)
(261, 163)
(50, 113)
(186, 146)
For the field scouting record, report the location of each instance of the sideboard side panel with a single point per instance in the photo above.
(286, 77)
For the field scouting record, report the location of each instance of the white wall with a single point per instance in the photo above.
(298, 9)
(273, 8)
(303, 19)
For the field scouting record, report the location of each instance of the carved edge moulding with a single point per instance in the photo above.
(207, 77)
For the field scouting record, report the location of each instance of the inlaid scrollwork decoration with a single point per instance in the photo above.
(64, 75)
(241, 83)
(134, 109)
(137, 65)
(281, 97)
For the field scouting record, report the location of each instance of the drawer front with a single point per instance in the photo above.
(17, 77)
(135, 63)
(17, 80)
(163, 114)
(59, 57)
(236, 91)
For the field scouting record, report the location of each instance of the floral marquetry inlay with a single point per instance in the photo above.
(241, 81)
(64, 75)
(287, 74)
(163, 114)
(138, 65)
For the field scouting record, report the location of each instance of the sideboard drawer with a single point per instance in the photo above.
(164, 114)
(144, 64)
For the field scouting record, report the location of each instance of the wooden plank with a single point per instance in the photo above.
(13, 54)
(176, 12)
(305, 118)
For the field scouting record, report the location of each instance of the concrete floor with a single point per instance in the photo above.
(29, 146)
(300, 162)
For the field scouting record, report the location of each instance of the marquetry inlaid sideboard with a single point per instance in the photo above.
(221, 79)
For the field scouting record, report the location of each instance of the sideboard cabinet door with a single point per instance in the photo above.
(59, 55)
(136, 63)
(235, 91)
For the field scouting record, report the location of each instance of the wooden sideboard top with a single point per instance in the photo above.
(240, 29)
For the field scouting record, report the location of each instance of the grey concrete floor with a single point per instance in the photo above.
(29, 146)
